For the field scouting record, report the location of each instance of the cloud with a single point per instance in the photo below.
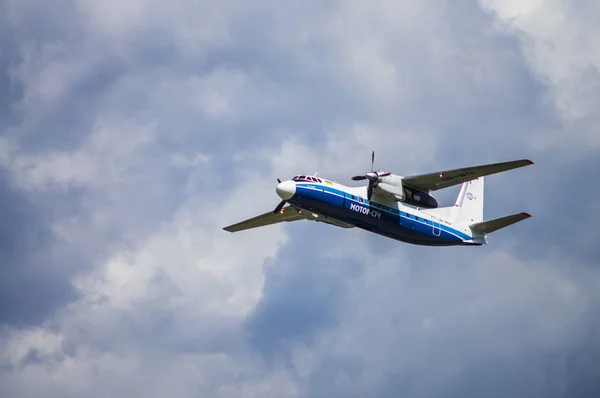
(136, 130)
(425, 340)
(97, 162)
(561, 42)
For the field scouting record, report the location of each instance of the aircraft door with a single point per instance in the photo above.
(436, 226)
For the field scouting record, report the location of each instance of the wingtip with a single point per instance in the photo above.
(529, 161)
(525, 214)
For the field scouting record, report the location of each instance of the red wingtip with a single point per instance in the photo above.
(526, 214)
(529, 161)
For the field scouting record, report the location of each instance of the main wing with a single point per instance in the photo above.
(286, 214)
(448, 178)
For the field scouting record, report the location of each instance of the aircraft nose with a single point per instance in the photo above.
(286, 189)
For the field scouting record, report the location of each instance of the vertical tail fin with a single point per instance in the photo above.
(469, 203)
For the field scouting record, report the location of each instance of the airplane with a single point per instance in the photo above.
(394, 206)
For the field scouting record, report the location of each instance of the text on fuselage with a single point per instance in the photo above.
(365, 210)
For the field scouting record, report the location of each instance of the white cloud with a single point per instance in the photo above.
(42, 342)
(561, 43)
(47, 73)
(195, 26)
(217, 92)
(197, 256)
(184, 161)
(152, 374)
(105, 156)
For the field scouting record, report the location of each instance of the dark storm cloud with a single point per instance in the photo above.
(565, 202)
(303, 293)
(31, 287)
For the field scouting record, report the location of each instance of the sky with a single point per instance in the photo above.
(133, 131)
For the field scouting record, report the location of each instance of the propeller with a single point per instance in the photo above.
(372, 176)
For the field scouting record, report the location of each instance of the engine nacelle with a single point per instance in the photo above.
(392, 185)
(395, 190)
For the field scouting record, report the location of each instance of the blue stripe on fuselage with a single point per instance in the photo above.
(367, 212)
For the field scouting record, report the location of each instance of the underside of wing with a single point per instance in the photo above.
(286, 214)
(448, 178)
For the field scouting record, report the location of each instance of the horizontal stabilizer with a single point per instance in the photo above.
(486, 227)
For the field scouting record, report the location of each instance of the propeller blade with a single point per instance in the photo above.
(279, 207)
(372, 160)
(359, 178)
(370, 191)
(279, 181)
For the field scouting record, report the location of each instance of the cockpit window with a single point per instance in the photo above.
(307, 179)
